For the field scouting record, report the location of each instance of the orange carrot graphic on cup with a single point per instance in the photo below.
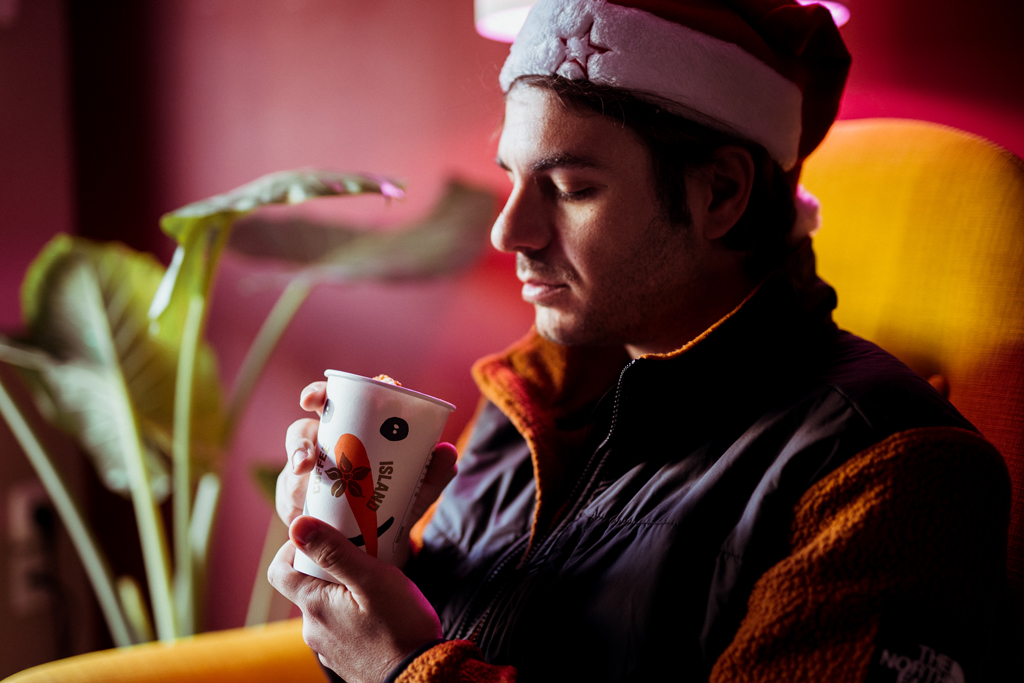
(353, 478)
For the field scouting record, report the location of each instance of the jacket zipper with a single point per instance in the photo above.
(577, 498)
(459, 631)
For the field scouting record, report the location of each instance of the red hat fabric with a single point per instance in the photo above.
(768, 71)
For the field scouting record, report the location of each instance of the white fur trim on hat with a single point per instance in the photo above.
(711, 81)
(808, 216)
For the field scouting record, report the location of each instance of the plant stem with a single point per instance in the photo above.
(273, 327)
(95, 563)
(200, 532)
(181, 456)
(135, 608)
(147, 518)
(208, 245)
(262, 597)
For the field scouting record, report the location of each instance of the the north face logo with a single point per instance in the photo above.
(929, 667)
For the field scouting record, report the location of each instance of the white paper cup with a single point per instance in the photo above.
(373, 448)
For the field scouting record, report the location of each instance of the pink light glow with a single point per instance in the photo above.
(840, 14)
(503, 25)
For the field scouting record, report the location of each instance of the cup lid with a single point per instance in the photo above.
(392, 387)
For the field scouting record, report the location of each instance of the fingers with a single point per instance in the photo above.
(290, 495)
(441, 470)
(299, 444)
(281, 574)
(313, 397)
(363, 626)
(329, 548)
(299, 588)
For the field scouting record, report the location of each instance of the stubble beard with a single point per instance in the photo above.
(546, 319)
(621, 315)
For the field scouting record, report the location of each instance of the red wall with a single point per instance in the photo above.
(35, 147)
(244, 87)
(35, 203)
(956, 63)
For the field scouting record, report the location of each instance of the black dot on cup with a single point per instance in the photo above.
(394, 429)
(328, 411)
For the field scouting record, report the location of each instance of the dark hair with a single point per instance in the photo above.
(678, 146)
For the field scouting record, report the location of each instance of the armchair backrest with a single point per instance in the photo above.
(923, 238)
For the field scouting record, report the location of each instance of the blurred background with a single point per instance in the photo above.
(113, 113)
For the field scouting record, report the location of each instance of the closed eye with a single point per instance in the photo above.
(576, 195)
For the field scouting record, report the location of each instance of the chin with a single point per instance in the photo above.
(564, 330)
(550, 326)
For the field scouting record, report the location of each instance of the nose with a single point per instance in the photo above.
(522, 225)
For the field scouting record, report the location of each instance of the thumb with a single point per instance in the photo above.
(442, 470)
(330, 549)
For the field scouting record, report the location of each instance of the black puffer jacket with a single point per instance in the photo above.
(664, 495)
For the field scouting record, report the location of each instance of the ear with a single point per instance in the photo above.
(729, 178)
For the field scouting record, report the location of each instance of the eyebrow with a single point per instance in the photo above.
(564, 160)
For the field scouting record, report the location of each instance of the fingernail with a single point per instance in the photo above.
(299, 457)
(303, 532)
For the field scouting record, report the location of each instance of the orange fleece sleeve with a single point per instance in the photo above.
(456, 661)
(918, 519)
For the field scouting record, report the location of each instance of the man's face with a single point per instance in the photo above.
(597, 258)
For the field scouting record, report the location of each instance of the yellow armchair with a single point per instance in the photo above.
(922, 238)
(259, 654)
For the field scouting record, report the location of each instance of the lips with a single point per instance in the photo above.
(542, 284)
(541, 292)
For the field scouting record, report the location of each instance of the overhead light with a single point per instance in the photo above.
(501, 19)
(9, 12)
(840, 13)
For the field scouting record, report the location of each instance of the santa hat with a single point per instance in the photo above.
(767, 71)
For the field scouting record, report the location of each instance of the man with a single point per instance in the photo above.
(685, 471)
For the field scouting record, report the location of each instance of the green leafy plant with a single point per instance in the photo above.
(115, 356)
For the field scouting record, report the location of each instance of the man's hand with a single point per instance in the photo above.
(300, 446)
(363, 627)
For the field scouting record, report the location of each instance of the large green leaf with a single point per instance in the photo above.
(201, 229)
(451, 237)
(90, 339)
(282, 187)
